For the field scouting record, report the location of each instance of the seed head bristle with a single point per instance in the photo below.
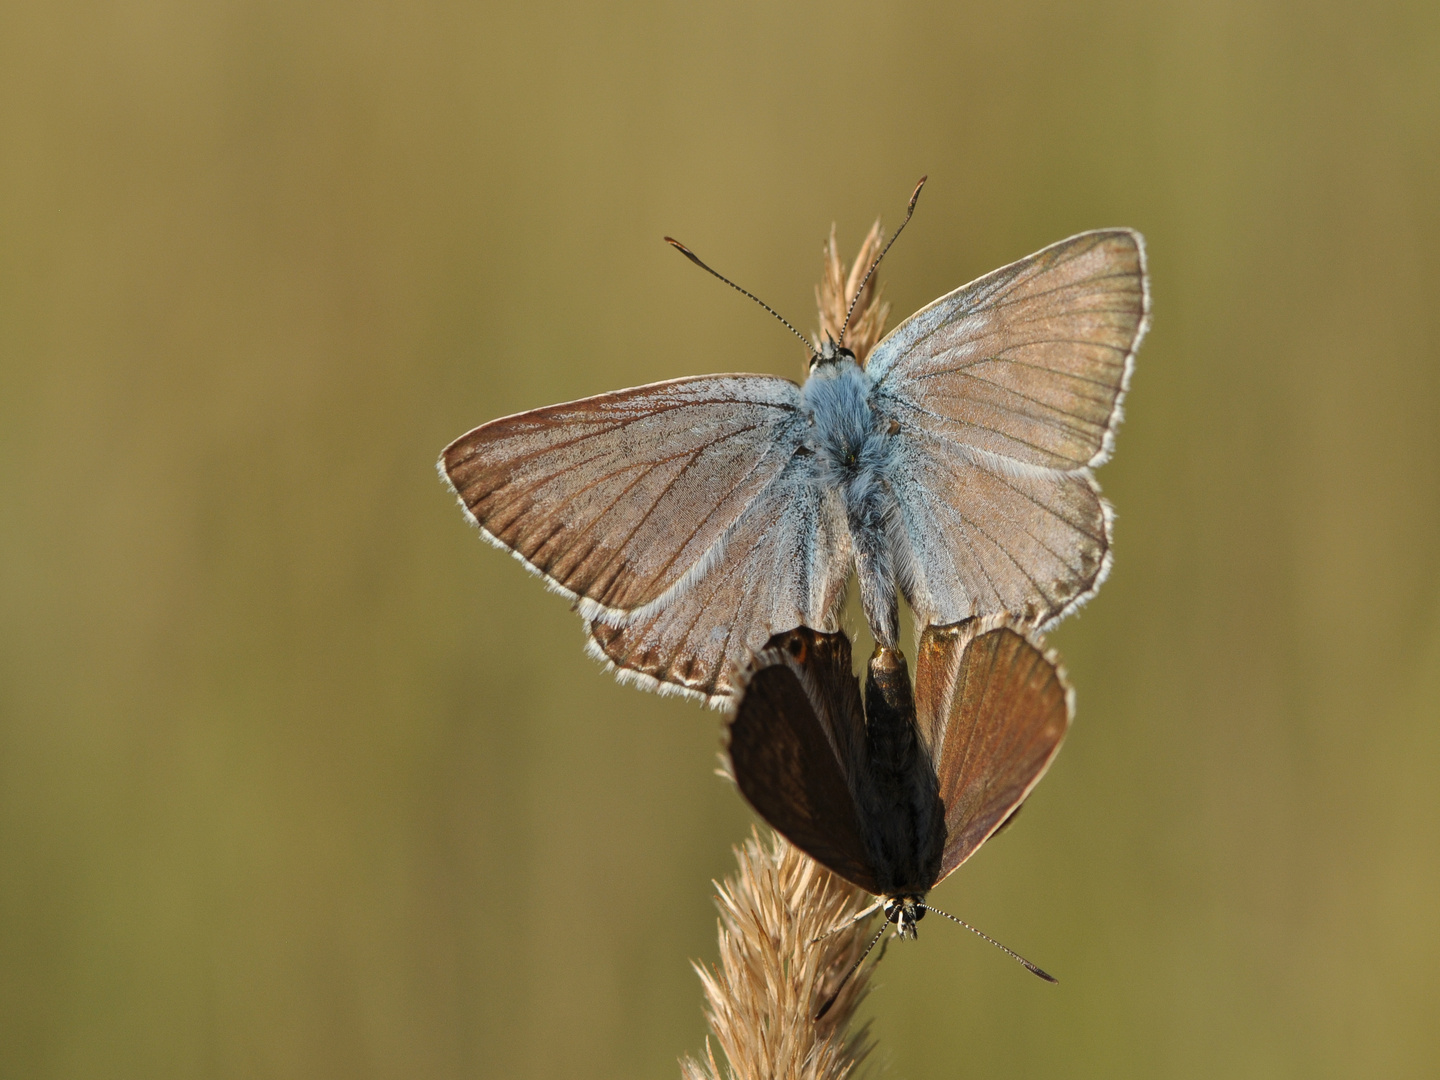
(837, 289)
(773, 975)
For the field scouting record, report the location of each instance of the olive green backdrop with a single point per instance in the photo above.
(300, 779)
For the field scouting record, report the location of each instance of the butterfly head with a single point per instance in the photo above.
(904, 912)
(830, 353)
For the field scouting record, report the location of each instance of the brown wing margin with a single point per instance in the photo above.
(993, 709)
(785, 760)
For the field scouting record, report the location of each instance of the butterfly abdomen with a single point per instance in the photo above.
(904, 817)
(853, 448)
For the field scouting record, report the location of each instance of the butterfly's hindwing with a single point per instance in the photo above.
(784, 564)
(800, 703)
(993, 710)
(980, 538)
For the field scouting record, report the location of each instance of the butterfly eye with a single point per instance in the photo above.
(796, 647)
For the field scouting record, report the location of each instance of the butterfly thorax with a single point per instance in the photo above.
(853, 447)
(904, 819)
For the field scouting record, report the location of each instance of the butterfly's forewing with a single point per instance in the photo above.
(784, 564)
(993, 710)
(1030, 362)
(618, 499)
(797, 728)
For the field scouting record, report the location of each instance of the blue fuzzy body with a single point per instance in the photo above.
(852, 446)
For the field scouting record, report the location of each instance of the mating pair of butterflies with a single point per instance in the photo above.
(706, 529)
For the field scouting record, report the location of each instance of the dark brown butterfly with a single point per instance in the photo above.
(894, 793)
(690, 520)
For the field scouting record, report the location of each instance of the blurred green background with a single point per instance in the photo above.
(299, 779)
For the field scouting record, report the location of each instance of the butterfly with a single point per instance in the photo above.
(895, 792)
(691, 520)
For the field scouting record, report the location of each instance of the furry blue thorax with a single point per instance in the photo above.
(844, 433)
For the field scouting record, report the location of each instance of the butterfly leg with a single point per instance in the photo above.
(860, 916)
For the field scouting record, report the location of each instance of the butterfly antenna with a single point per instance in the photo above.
(853, 968)
(697, 261)
(914, 198)
(986, 937)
